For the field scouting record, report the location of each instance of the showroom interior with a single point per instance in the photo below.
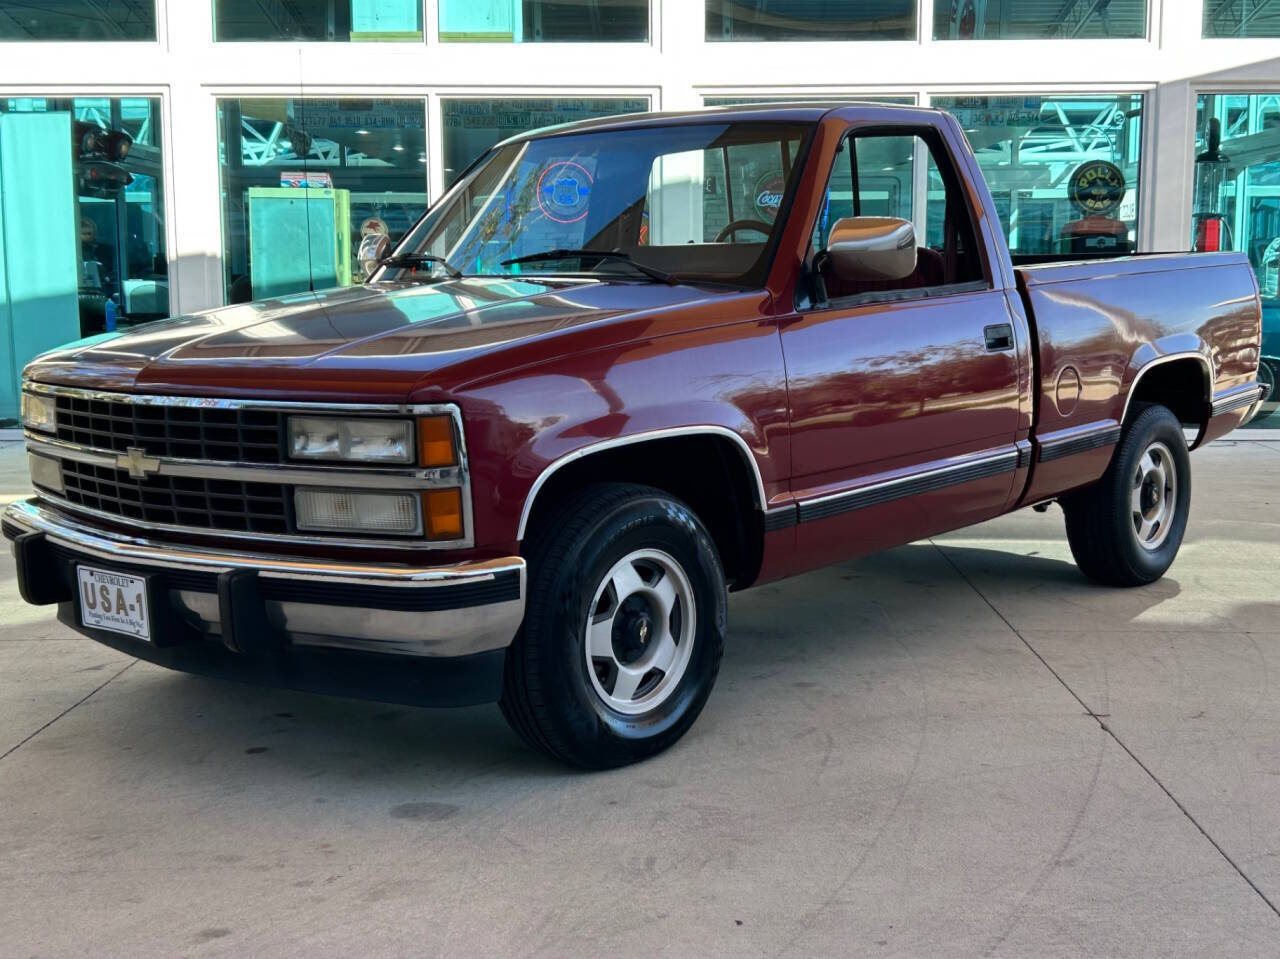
(160, 157)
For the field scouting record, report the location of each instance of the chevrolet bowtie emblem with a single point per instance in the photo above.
(137, 462)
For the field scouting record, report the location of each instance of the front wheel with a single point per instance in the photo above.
(624, 628)
(1126, 529)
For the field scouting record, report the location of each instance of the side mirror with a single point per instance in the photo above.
(872, 248)
(373, 250)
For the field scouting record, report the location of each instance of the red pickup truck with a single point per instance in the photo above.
(620, 368)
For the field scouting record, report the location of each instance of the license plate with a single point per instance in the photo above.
(114, 601)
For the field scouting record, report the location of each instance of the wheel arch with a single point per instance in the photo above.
(1181, 381)
(710, 467)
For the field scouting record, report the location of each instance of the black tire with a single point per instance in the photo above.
(549, 697)
(1101, 525)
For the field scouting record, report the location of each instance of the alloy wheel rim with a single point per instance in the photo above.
(639, 633)
(1153, 496)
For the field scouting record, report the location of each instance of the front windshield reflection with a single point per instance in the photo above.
(701, 202)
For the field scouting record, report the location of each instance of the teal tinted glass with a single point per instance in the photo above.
(30, 20)
(1063, 170)
(1241, 18)
(756, 20)
(318, 20)
(118, 185)
(544, 21)
(1021, 20)
(1239, 178)
(304, 180)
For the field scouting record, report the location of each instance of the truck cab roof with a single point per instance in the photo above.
(798, 111)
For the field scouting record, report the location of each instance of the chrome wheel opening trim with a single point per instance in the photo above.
(761, 500)
(1160, 361)
(654, 582)
(1153, 496)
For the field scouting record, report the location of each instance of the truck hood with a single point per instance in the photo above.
(376, 341)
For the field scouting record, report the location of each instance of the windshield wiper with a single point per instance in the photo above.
(405, 260)
(565, 254)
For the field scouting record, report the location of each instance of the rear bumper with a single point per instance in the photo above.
(435, 635)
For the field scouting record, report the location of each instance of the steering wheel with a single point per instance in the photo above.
(730, 229)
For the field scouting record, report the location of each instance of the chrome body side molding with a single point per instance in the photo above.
(1239, 397)
(1078, 439)
(963, 470)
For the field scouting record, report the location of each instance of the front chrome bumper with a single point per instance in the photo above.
(433, 612)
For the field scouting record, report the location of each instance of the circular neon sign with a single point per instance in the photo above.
(1097, 188)
(564, 191)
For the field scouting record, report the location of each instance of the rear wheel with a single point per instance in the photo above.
(1126, 529)
(624, 628)
(1267, 377)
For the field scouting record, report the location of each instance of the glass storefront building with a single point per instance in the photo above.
(205, 152)
(1030, 147)
(304, 179)
(28, 21)
(1238, 147)
(117, 190)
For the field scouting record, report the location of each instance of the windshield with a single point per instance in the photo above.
(700, 203)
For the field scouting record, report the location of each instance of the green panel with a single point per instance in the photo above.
(386, 20)
(494, 20)
(39, 244)
(298, 240)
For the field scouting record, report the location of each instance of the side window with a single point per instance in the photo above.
(695, 197)
(908, 176)
(886, 175)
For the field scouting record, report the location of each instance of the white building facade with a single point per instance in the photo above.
(375, 105)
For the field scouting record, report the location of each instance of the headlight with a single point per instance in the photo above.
(355, 440)
(39, 412)
(348, 511)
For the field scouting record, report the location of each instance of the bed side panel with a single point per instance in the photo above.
(1099, 324)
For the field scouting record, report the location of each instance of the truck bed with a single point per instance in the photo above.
(1097, 322)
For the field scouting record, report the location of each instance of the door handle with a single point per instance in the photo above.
(999, 337)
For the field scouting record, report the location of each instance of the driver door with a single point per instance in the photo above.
(904, 407)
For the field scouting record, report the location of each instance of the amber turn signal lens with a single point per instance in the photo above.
(442, 512)
(435, 441)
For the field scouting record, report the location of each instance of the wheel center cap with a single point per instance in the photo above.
(634, 630)
(1150, 496)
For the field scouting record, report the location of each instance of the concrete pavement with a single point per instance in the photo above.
(959, 748)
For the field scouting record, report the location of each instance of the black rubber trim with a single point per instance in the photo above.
(784, 517)
(1238, 401)
(242, 615)
(33, 557)
(503, 588)
(1070, 445)
(189, 580)
(908, 486)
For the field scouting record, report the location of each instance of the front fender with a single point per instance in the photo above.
(522, 426)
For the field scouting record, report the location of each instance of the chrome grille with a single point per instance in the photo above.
(242, 435)
(214, 504)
